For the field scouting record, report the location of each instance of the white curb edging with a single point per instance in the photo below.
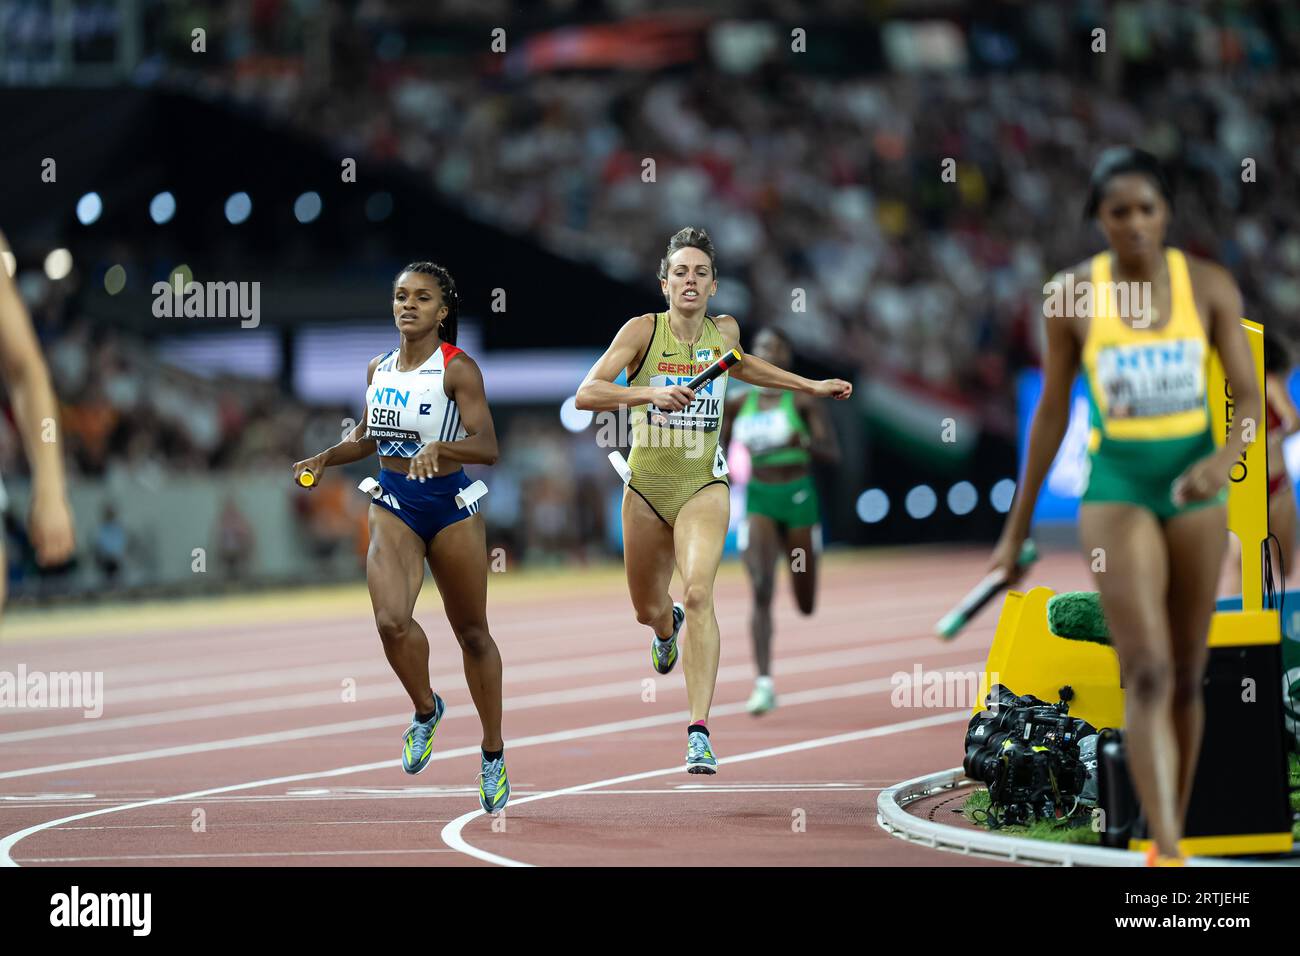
(894, 819)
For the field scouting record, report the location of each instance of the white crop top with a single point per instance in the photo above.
(407, 410)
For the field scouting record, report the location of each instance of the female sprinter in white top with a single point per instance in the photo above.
(426, 415)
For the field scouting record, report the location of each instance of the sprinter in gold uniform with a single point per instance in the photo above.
(677, 503)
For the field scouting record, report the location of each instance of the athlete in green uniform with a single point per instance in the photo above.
(1152, 521)
(676, 506)
(783, 432)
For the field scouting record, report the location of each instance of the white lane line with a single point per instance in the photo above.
(837, 692)
(222, 856)
(675, 791)
(451, 833)
(517, 674)
(460, 792)
(232, 826)
(251, 677)
(629, 687)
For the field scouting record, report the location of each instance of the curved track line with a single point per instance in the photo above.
(838, 691)
(451, 833)
(609, 691)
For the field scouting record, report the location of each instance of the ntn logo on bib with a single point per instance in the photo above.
(1152, 380)
(703, 414)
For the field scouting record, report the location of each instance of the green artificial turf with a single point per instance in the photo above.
(1079, 830)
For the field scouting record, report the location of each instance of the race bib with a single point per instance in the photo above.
(765, 430)
(395, 414)
(704, 414)
(1148, 381)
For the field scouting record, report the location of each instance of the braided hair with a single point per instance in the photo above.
(450, 297)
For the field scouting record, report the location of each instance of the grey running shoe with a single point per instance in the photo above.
(419, 739)
(699, 755)
(663, 654)
(494, 785)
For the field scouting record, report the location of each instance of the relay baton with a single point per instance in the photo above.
(956, 619)
(717, 368)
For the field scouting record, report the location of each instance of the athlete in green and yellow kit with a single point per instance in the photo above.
(782, 432)
(1142, 321)
(677, 503)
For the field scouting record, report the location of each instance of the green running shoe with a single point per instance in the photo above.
(494, 785)
(663, 654)
(761, 700)
(419, 739)
(699, 755)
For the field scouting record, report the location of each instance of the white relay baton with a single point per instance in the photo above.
(621, 466)
(467, 496)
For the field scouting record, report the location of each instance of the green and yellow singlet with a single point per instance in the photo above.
(1149, 415)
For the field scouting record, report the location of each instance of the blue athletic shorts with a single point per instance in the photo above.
(426, 506)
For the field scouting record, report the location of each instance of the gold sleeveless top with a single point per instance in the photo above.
(676, 453)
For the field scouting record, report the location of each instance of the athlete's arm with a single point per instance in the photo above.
(732, 409)
(463, 384)
(36, 414)
(822, 440)
(1207, 477)
(598, 393)
(1060, 365)
(350, 449)
(755, 371)
(1276, 395)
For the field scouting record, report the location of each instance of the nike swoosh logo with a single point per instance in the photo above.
(667, 354)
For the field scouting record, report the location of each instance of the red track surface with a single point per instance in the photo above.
(252, 701)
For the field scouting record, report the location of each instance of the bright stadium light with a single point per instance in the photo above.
(572, 417)
(1002, 494)
(58, 264)
(89, 208)
(307, 207)
(238, 208)
(962, 498)
(921, 501)
(162, 207)
(114, 279)
(873, 505)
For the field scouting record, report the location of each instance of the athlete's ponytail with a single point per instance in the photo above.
(450, 297)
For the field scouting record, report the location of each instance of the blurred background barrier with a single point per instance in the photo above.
(291, 157)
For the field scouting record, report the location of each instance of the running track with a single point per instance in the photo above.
(226, 740)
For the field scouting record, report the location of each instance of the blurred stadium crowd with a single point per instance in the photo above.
(821, 184)
(832, 184)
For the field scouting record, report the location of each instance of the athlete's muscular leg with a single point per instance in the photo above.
(698, 538)
(1133, 590)
(760, 560)
(648, 560)
(1196, 543)
(458, 559)
(803, 567)
(394, 573)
